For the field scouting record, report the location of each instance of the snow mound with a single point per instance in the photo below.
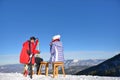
(19, 76)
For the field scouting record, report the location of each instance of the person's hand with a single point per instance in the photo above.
(37, 40)
(50, 43)
(38, 52)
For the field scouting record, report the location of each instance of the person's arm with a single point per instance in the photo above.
(34, 47)
(36, 43)
(52, 49)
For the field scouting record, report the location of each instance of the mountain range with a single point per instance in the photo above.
(100, 67)
(110, 67)
(71, 66)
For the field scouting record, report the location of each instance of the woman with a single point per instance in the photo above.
(56, 49)
(28, 50)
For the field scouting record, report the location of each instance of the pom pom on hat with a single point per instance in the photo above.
(56, 37)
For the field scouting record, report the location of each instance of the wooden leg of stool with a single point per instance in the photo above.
(46, 70)
(56, 70)
(63, 70)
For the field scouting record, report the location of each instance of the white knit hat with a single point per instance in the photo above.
(56, 37)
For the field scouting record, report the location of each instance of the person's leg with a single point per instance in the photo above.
(38, 64)
(30, 70)
(25, 70)
(37, 67)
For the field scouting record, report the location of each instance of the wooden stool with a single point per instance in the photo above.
(46, 64)
(55, 68)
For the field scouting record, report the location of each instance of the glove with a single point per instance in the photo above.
(37, 40)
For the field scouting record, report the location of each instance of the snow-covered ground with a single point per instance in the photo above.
(19, 76)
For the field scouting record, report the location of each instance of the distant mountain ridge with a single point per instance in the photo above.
(110, 67)
(11, 68)
(88, 62)
(71, 66)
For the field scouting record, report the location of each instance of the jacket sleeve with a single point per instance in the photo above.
(36, 43)
(52, 49)
(34, 51)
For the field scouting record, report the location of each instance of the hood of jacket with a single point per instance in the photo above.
(57, 43)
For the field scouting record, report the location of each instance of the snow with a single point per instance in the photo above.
(75, 60)
(19, 76)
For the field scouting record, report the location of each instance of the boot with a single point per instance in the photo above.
(25, 73)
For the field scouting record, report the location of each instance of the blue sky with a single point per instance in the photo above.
(89, 29)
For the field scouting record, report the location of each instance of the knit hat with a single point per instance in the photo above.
(56, 37)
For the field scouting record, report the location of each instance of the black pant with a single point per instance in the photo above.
(37, 61)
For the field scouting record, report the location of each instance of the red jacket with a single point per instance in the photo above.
(24, 57)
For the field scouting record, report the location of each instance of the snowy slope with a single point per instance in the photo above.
(19, 76)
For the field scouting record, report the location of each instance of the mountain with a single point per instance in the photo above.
(71, 66)
(110, 67)
(88, 62)
(74, 66)
(11, 68)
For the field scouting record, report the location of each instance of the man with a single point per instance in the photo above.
(28, 51)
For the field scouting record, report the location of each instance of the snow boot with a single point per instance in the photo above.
(25, 73)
